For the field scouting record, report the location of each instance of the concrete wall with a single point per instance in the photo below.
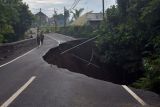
(11, 50)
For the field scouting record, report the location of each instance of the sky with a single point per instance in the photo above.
(48, 6)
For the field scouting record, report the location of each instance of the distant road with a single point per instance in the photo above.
(28, 81)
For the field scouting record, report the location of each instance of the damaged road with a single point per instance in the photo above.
(82, 58)
(29, 81)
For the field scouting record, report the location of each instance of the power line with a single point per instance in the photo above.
(74, 4)
(75, 1)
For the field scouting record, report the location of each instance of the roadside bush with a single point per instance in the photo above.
(78, 31)
(151, 79)
(1, 38)
(130, 42)
(15, 20)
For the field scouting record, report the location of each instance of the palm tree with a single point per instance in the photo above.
(77, 13)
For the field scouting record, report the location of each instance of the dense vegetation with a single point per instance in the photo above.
(130, 41)
(76, 13)
(77, 31)
(15, 19)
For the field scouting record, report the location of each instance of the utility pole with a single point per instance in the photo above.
(55, 19)
(40, 17)
(103, 9)
(64, 17)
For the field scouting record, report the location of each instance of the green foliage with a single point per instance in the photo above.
(76, 13)
(15, 20)
(1, 38)
(151, 79)
(131, 41)
(77, 31)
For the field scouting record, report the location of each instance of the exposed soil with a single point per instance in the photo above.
(71, 61)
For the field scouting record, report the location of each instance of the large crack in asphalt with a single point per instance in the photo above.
(80, 60)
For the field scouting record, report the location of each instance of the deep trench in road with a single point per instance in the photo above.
(82, 60)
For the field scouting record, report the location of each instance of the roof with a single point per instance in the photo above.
(41, 14)
(88, 17)
(94, 16)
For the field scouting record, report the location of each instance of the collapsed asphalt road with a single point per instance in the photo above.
(80, 60)
(29, 81)
(82, 57)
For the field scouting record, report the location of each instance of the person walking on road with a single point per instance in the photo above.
(41, 38)
(38, 38)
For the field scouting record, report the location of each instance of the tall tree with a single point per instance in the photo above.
(77, 13)
(131, 41)
(25, 20)
(66, 16)
(15, 19)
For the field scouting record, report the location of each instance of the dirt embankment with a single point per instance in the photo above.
(10, 51)
(83, 60)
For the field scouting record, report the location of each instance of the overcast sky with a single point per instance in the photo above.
(49, 5)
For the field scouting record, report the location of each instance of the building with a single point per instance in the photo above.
(51, 21)
(41, 19)
(93, 19)
(58, 20)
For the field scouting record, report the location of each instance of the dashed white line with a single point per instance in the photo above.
(134, 95)
(17, 58)
(16, 94)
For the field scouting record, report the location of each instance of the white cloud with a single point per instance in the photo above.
(44, 1)
(50, 1)
(49, 5)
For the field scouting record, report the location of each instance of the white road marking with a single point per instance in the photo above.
(17, 58)
(134, 95)
(16, 94)
(59, 42)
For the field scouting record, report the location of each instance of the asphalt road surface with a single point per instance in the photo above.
(29, 81)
